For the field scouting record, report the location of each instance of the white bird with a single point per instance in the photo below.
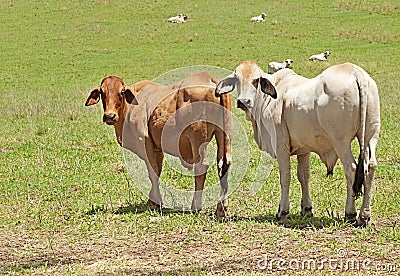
(259, 18)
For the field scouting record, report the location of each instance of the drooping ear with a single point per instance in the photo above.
(131, 91)
(94, 97)
(225, 86)
(267, 87)
(130, 97)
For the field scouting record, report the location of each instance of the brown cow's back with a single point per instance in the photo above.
(158, 105)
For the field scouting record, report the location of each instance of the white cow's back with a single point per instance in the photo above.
(321, 109)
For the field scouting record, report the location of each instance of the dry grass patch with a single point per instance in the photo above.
(367, 35)
(228, 247)
(390, 9)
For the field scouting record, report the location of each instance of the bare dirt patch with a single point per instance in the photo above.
(231, 250)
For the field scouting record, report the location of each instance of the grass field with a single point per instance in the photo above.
(67, 203)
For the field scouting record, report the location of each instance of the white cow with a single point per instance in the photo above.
(180, 18)
(259, 18)
(322, 115)
(320, 57)
(274, 66)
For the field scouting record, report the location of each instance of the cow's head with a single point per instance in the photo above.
(288, 62)
(248, 78)
(113, 93)
(115, 96)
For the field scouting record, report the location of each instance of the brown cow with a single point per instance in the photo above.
(180, 119)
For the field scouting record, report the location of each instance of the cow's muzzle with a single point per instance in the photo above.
(110, 119)
(244, 103)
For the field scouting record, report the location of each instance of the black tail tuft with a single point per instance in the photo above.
(359, 178)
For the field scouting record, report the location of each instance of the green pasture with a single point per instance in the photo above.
(68, 206)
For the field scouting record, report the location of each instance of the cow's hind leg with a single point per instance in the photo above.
(343, 149)
(365, 211)
(154, 168)
(200, 173)
(303, 175)
(224, 161)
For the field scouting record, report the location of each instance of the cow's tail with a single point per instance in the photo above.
(226, 103)
(359, 179)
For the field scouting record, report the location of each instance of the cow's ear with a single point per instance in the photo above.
(267, 87)
(94, 97)
(225, 86)
(131, 91)
(130, 95)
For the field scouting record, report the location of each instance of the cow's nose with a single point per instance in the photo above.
(243, 103)
(109, 118)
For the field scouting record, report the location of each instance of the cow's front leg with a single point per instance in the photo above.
(303, 175)
(154, 168)
(284, 174)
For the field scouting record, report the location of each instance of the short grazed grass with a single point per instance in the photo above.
(68, 204)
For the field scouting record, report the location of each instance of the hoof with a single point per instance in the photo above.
(195, 211)
(373, 164)
(221, 211)
(282, 215)
(307, 211)
(362, 221)
(195, 208)
(351, 218)
(153, 206)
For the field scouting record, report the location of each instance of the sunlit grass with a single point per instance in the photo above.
(64, 190)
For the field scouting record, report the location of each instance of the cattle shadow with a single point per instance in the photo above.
(142, 207)
(293, 221)
(136, 208)
(130, 208)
